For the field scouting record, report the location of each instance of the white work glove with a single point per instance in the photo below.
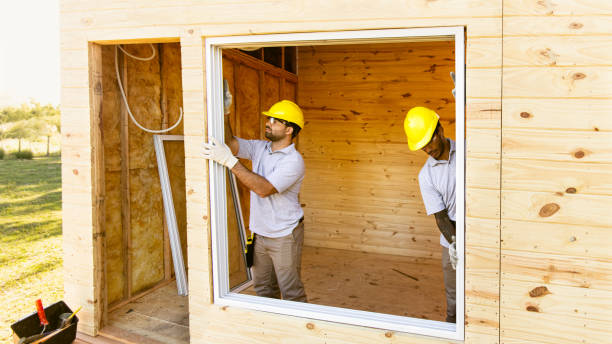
(453, 77)
(452, 254)
(219, 152)
(227, 98)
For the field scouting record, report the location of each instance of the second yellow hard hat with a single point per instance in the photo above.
(419, 125)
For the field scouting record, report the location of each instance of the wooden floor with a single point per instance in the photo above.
(364, 281)
(373, 282)
(161, 317)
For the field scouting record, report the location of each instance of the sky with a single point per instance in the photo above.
(29, 52)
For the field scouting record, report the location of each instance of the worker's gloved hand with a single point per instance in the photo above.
(219, 152)
(452, 253)
(227, 98)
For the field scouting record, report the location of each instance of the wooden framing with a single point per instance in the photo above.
(531, 66)
(126, 248)
(95, 79)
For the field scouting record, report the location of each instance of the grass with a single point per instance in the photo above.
(30, 237)
(39, 148)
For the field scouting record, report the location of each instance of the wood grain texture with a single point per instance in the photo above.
(558, 145)
(557, 239)
(112, 160)
(115, 17)
(547, 26)
(582, 283)
(353, 280)
(556, 8)
(590, 210)
(98, 188)
(561, 177)
(354, 98)
(163, 21)
(557, 82)
(557, 51)
(558, 114)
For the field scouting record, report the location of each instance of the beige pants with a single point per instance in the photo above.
(276, 266)
(450, 285)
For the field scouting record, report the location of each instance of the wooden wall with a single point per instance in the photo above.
(556, 284)
(361, 188)
(191, 21)
(255, 86)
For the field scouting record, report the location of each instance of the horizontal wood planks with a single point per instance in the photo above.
(169, 21)
(556, 181)
(355, 98)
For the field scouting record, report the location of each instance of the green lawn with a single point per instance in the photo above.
(30, 237)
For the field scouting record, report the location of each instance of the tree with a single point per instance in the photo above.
(27, 111)
(46, 126)
(23, 130)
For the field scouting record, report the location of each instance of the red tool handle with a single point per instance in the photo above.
(41, 313)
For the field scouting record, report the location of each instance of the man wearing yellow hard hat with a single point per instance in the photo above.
(276, 217)
(437, 183)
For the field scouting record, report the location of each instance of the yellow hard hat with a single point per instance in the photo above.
(288, 111)
(419, 125)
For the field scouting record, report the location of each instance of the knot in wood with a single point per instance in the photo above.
(579, 154)
(539, 291)
(310, 326)
(549, 209)
(576, 26)
(578, 76)
(525, 114)
(75, 172)
(532, 308)
(570, 190)
(388, 334)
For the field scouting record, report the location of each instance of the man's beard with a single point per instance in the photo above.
(270, 136)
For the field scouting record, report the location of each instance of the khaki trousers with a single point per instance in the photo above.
(450, 285)
(276, 266)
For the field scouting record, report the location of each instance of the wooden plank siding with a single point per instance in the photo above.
(355, 98)
(556, 163)
(189, 22)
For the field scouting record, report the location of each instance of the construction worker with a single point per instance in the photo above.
(437, 183)
(276, 217)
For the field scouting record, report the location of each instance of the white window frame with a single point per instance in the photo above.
(218, 212)
(173, 234)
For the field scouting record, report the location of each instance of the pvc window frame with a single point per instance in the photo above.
(175, 238)
(218, 212)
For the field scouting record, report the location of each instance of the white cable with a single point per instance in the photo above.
(161, 131)
(139, 58)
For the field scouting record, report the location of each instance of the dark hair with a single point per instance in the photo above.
(296, 129)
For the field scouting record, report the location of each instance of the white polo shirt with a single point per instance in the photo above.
(437, 180)
(278, 214)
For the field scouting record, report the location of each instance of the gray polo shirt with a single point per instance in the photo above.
(437, 180)
(278, 214)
